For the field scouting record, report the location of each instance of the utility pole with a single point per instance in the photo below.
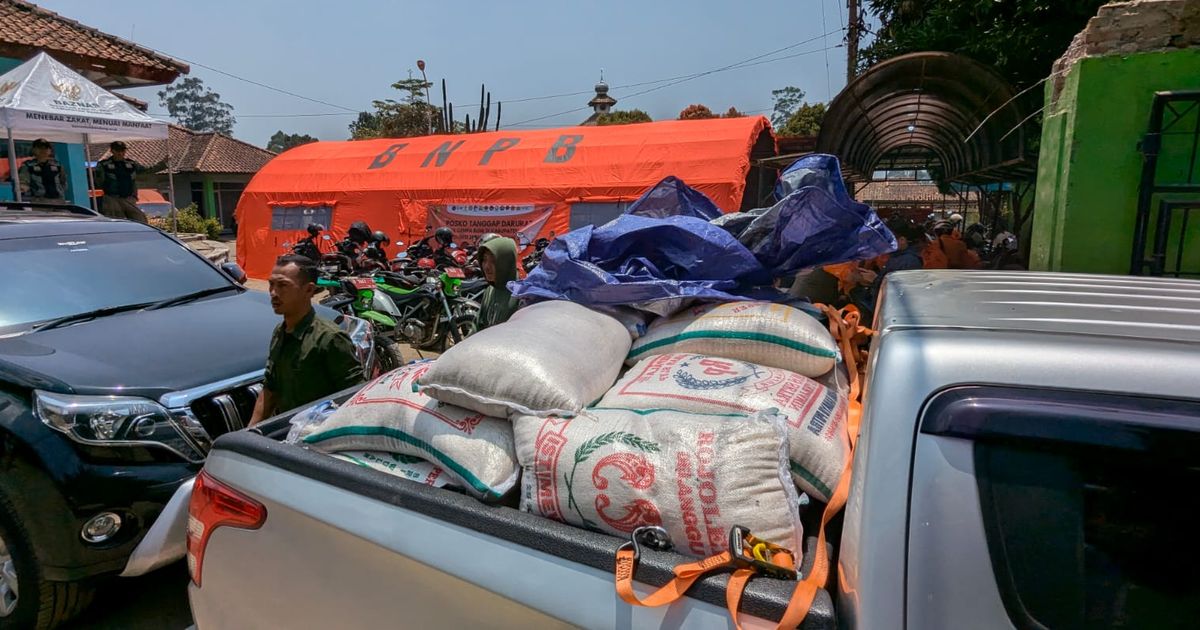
(852, 33)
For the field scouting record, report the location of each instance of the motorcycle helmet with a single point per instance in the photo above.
(460, 257)
(315, 228)
(444, 235)
(379, 237)
(359, 232)
(487, 237)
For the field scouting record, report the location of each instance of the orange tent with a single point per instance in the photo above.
(516, 183)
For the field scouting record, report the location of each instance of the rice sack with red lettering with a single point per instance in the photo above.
(387, 416)
(816, 415)
(407, 467)
(774, 335)
(696, 475)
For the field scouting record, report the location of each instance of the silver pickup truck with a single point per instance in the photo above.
(1029, 457)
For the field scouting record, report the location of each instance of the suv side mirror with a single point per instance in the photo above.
(234, 271)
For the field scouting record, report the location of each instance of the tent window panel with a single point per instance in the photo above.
(300, 217)
(595, 213)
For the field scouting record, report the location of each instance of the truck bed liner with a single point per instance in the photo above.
(764, 597)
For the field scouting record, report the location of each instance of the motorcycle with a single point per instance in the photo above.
(433, 311)
(375, 351)
(306, 246)
(530, 262)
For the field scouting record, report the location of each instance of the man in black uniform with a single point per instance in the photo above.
(115, 176)
(43, 179)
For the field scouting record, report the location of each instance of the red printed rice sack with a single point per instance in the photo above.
(816, 415)
(763, 333)
(388, 416)
(697, 476)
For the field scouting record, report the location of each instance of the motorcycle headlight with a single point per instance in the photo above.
(114, 421)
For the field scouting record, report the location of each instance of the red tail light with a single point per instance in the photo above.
(214, 505)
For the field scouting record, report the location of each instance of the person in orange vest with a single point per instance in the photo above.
(958, 255)
(932, 255)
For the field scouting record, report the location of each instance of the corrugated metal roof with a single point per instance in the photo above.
(1124, 306)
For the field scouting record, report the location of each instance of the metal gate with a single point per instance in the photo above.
(1167, 196)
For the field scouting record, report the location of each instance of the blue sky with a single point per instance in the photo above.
(348, 53)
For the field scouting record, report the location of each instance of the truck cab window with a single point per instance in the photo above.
(1088, 505)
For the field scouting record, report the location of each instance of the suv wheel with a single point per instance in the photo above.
(27, 600)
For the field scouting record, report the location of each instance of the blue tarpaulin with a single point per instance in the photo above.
(671, 246)
(671, 197)
(636, 260)
(815, 222)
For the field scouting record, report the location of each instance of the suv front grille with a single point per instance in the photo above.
(226, 411)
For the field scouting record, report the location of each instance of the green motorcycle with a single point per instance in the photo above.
(430, 311)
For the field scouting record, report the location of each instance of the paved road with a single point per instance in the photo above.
(157, 601)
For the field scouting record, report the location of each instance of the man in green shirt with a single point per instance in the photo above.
(309, 357)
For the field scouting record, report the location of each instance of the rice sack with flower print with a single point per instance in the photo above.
(815, 415)
(697, 476)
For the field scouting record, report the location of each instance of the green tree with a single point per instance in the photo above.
(365, 127)
(624, 117)
(1020, 38)
(733, 113)
(410, 116)
(281, 142)
(196, 107)
(696, 112)
(787, 100)
(805, 121)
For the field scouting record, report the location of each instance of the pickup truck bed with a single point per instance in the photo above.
(1024, 439)
(433, 549)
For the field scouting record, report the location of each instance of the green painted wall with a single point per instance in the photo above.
(210, 198)
(1090, 167)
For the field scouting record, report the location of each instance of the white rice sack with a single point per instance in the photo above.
(767, 334)
(403, 466)
(816, 415)
(551, 358)
(614, 470)
(388, 416)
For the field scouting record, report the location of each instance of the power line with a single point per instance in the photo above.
(828, 81)
(253, 82)
(745, 63)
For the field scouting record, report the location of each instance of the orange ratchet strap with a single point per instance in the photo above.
(747, 554)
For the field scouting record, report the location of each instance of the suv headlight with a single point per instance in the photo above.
(114, 421)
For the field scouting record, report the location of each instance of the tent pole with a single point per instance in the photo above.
(171, 185)
(12, 166)
(91, 176)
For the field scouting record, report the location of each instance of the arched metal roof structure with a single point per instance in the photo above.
(918, 110)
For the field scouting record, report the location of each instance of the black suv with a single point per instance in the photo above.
(123, 354)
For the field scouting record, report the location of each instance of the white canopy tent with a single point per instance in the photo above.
(43, 98)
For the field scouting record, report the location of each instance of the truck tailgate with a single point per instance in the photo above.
(344, 546)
